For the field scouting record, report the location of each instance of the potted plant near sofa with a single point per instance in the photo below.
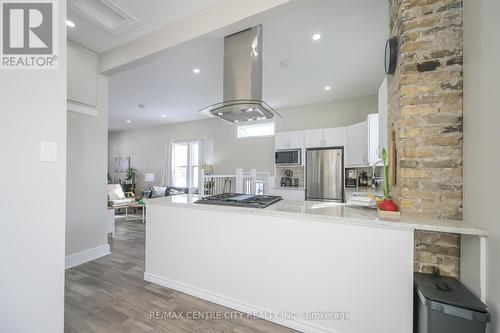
(129, 185)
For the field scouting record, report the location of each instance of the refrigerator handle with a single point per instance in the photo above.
(339, 176)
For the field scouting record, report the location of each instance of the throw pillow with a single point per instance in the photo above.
(158, 191)
(175, 192)
(115, 192)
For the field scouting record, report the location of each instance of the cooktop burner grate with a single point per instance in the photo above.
(240, 200)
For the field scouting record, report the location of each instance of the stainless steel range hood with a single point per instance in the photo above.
(242, 80)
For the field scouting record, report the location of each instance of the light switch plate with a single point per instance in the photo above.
(48, 151)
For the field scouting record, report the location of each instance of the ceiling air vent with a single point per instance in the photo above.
(104, 13)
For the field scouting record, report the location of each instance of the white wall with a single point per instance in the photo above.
(147, 146)
(32, 200)
(329, 114)
(86, 207)
(482, 135)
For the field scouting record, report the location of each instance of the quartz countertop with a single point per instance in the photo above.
(331, 212)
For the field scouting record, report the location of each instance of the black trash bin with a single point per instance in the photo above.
(444, 305)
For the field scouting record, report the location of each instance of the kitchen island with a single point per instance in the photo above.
(311, 266)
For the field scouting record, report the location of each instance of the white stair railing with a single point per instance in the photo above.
(217, 184)
(252, 182)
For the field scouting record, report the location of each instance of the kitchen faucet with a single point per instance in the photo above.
(376, 180)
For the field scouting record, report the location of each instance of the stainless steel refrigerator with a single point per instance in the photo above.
(324, 174)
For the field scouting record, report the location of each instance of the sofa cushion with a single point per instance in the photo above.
(120, 202)
(174, 191)
(158, 191)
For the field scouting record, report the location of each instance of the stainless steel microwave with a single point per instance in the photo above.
(288, 157)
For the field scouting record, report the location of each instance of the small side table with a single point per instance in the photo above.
(135, 204)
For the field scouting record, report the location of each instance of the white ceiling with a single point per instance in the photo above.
(349, 58)
(151, 14)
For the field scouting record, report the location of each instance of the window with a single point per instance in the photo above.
(185, 161)
(255, 130)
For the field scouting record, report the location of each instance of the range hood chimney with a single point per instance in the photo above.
(242, 80)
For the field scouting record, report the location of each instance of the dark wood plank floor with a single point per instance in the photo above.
(110, 295)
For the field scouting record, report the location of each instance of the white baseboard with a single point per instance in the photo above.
(88, 255)
(298, 325)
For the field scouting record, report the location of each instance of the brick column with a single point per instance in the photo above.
(425, 112)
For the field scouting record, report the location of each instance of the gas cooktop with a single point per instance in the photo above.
(240, 200)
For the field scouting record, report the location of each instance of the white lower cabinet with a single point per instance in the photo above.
(289, 194)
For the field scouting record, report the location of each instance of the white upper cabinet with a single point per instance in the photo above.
(82, 79)
(281, 140)
(383, 111)
(289, 140)
(373, 139)
(314, 138)
(325, 137)
(357, 150)
(296, 139)
(360, 141)
(335, 137)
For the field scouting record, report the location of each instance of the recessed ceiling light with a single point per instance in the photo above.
(196, 71)
(129, 121)
(250, 119)
(70, 24)
(236, 121)
(220, 113)
(328, 88)
(164, 116)
(316, 37)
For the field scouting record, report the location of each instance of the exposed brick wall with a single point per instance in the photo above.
(425, 110)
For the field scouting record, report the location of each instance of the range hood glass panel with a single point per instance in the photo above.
(242, 111)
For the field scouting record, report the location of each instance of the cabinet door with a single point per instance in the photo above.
(281, 140)
(383, 110)
(373, 140)
(296, 139)
(313, 138)
(82, 75)
(335, 137)
(357, 144)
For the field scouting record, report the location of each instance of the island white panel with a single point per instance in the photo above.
(273, 264)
